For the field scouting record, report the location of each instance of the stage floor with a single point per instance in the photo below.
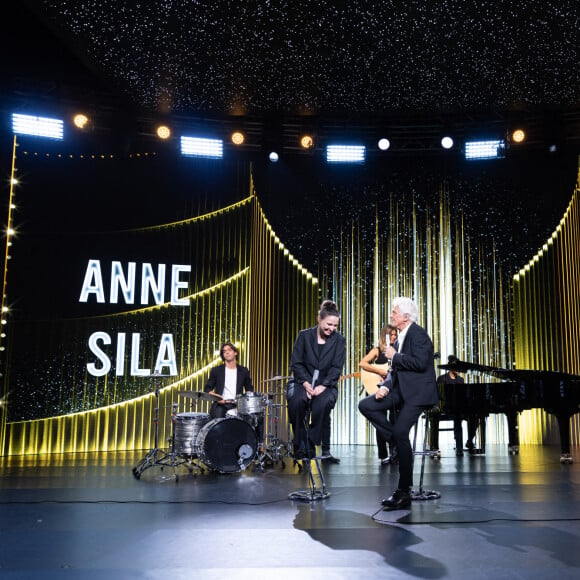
(86, 516)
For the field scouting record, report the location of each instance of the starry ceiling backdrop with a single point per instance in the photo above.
(325, 56)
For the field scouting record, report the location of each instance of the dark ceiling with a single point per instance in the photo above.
(357, 61)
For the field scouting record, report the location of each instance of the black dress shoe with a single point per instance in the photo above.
(328, 458)
(400, 500)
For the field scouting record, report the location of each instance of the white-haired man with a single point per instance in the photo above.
(411, 388)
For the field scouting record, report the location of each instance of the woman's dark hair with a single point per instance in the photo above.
(385, 331)
(328, 308)
(232, 346)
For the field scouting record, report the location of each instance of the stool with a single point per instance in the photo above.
(423, 494)
(435, 454)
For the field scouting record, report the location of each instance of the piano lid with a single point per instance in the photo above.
(518, 375)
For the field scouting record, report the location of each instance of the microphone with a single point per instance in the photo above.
(387, 343)
(315, 377)
(387, 380)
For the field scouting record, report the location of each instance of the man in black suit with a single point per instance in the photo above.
(411, 388)
(318, 352)
(228, 381)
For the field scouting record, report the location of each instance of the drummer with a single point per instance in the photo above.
(228, 381)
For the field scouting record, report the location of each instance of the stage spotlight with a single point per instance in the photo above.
(518, 136)
(484, 149)
(80, 120)
(447, 142)
(163, 132)
(307, 142)
(273, 157)
(201, 147)
(37, 126)
(345, 153)
(384, 144)
(238, 138)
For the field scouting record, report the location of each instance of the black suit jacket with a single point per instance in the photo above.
(413, 372)
(305, 358)
(217, 378)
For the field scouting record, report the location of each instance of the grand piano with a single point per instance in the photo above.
(555, 392)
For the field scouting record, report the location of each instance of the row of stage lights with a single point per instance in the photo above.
(214, 148)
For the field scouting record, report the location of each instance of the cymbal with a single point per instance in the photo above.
(276, 378)
(199, 395)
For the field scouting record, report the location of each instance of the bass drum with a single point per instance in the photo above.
(187, 427)
(227, 445)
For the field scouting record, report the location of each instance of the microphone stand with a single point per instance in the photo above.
(312, 493)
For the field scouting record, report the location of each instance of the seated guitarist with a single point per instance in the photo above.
(227, 381)
(374, 367)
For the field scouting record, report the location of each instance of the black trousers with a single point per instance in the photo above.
(375, 410)
(319, 407)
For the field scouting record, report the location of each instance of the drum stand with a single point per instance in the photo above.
(270, 447)
(158, 457)
(275, 449)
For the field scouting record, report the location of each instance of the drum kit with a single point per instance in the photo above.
(246, 436)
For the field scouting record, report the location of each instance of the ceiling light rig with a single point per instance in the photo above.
(345, 153)
(518, 136)
(238, 138)
(384, 144)
(163, 132)
(307, 142)
(81, 121)
(447, 142)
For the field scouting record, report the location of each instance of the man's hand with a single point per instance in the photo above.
(381, 393)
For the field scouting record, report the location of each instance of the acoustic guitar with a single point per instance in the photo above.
(371, 380)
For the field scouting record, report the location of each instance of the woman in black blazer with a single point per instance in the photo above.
(317, 362)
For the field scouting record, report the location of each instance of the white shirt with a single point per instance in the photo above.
(401, 337)
(230, 382)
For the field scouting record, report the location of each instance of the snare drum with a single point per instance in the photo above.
(227, 445)
(251, 404)
(187, 427)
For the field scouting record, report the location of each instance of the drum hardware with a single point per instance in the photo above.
(272, 449)
(156, 456)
